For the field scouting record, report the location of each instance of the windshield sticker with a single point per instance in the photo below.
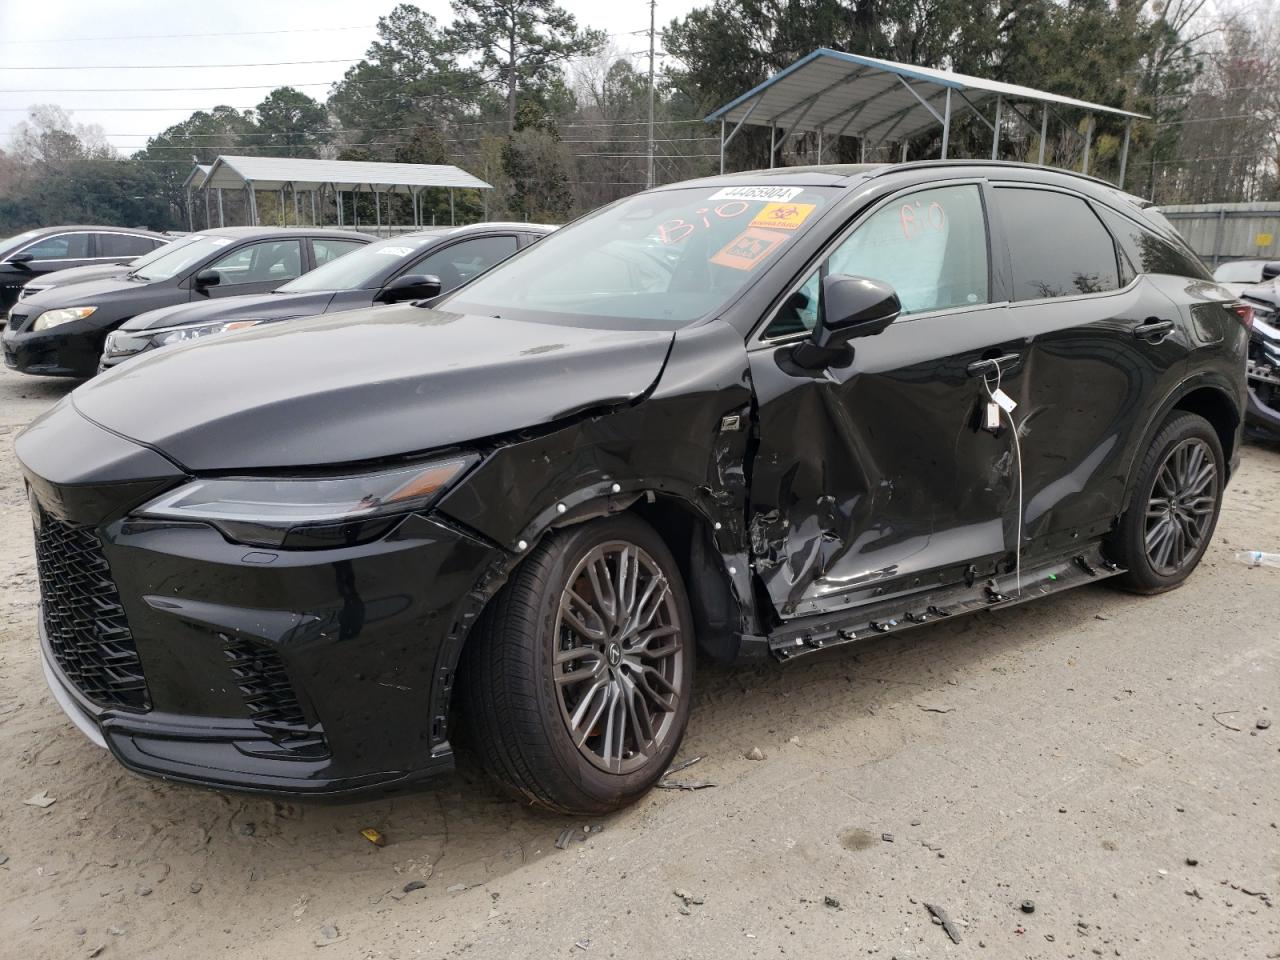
(749, 248)
(771, 194)
(395, 251)
(783, 216)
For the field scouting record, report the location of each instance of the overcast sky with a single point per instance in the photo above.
(81, 37)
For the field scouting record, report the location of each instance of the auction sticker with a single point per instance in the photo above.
(783, 216)
(771, 194)
(749, 248)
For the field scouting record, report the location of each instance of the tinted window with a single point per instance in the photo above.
(1154, 253)
(931, 246)
(65, 246)
(460, 262)
(363, 269)
(1057, 245)
(124, 245)
(261, 262)
(331, 249)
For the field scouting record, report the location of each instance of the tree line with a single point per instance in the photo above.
(553, 113)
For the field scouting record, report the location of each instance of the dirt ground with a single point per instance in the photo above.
(1092, 752)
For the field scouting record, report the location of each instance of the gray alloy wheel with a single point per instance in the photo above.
(618, 667)
(1182, 506)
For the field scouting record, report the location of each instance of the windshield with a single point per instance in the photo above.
(1242, 271)
(654, 261)
(13, 241)
(163, 250)
(362, 269)
(177, 258)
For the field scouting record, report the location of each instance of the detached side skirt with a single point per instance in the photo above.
(808, 634)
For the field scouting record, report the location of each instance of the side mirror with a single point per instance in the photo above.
(411, 286)
(851, 307)
(21, 259)
(207, 278)
(1270, 270)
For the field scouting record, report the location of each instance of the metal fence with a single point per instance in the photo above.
(1228, 231)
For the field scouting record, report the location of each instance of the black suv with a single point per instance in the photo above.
(411, 266)
(764, 413)
(33, 254)
(60, 331)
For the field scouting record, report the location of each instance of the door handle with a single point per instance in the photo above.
(990, 365)
(1153, 330)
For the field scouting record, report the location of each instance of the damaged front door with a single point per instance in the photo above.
(877, 475)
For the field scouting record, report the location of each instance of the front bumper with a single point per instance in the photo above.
(53, 353)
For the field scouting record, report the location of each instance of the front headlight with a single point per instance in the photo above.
(264, 510)
(55, 318)
(162, 338)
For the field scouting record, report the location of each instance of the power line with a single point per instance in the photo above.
(175, 36)
(184, 66)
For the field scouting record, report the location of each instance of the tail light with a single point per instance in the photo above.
(1245, 314)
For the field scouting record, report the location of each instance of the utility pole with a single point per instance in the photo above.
(653, 5)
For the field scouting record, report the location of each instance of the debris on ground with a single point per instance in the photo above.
(887, 837)
(41, 800)
(931, 708)
(682, 765)
(1193, 892)
(413, 885)
(940, 917)
(4, 858)
(1192, 862)
(1223, 723)
(455, 888)
(374, 837)
(1028, 906)
(689, 899)
(566, 837)
(755, 753)
(196, 886)
(1263, 723)
(94, 951)
(247, 829)
(831, 902)
(329, 935)
(684, 784)
(582, 944)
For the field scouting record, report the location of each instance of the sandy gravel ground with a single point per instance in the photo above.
(1064, 752)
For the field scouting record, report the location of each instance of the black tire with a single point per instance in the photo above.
(519, 715)
(1153, 503)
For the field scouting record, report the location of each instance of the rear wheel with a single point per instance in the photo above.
(1174, 508)
(578, 676)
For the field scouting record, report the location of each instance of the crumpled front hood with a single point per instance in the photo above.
(364, 385)
(265, 306)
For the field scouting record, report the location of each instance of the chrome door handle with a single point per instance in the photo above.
(991, 365)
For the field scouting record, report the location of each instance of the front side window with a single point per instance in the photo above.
(930, 246)
(655, 261)
(124, 245)
(261, 263)
(1057, 245)
(457, 264)
(66, 246)
(331, 249)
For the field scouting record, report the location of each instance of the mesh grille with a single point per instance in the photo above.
(268, 693)
(83, 618)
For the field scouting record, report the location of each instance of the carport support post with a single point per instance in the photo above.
(1088, 143)
(314, 221)
(995, 136)
(946, 125)
(722, 145)
(221, 219)
(253, 203)
(297, 214)
(1044, 130)
(773, 136)
(377, 211)
(191, 217)
(452, 220)
(1124, 150)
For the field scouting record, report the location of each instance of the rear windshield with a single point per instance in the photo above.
(653, 261)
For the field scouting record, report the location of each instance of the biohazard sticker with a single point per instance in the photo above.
(783, 216)
(749, 248)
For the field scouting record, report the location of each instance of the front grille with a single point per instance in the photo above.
(16, 320)
(88, 632)
(269, 695)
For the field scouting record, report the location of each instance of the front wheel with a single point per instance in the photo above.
(1174, 506)
(578, 677)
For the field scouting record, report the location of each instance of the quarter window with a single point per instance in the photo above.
(273, 260)
(931, 246)
(1057, 245)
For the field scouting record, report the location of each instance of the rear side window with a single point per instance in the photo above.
(124, 245)
(331, 249)
(1057, 245)
(1153, 253)
(66, 246)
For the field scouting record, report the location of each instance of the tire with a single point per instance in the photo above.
(540, 736)
(1174, 507)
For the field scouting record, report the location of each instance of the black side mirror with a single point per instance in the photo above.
(411, 286)
(207, 278)
(21, 259)
(1271, 270)
(851, 307)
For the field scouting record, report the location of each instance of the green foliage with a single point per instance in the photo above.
(291, 124)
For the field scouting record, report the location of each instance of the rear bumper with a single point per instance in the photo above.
(1260, 416)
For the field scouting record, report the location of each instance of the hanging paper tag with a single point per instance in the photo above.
(1006, 402)
(993, 418)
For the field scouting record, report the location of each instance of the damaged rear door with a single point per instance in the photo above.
(877, 477)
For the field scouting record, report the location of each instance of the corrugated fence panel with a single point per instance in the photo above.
(1228, 231)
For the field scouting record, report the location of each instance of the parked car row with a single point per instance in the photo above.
(760, 414)
(232, 278)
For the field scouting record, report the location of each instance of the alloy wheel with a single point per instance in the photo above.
(1181, 506)
(618, 665)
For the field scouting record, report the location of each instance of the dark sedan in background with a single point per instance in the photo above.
(61, 332)
(99, 271)
(37, 252)
(409, 267)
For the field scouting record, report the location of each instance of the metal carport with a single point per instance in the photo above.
(252, 174)
(195, 181)
(833, 94)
